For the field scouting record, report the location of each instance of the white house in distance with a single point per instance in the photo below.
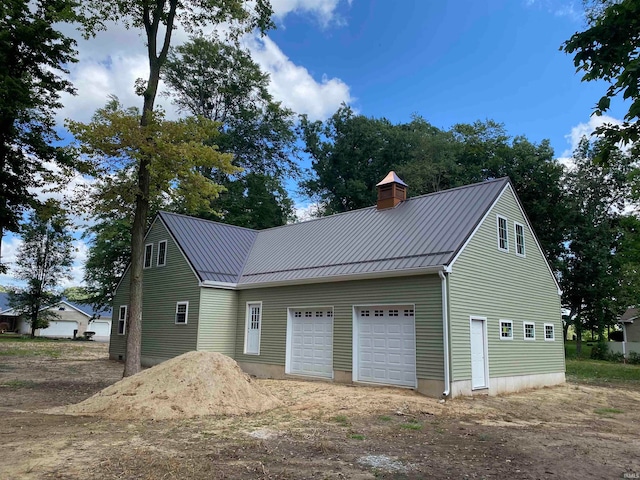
(72, 316)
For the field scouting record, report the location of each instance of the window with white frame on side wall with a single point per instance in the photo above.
(529, 330)
(182, 313)
(122, 319)
(503, 233)
(506, 330)
(549, 332)
(148, 255)
(162, 253)
(519, 235)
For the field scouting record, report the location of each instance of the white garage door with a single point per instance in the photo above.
(386, 345)
(311, 349)
(102, 329)
(59, 328)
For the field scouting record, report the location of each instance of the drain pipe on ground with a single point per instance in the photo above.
(445, 333)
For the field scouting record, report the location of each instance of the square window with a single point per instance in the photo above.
(549, 334)
(529, 331)
(393, 313)
(319, 314)
(506, 330)
(519, 229)
(148, 253)
(162, 253)
(378, 313)
(408, 313)
(308, 314)
(297, 314)
(182, 310)
(503, 234)
(330, 313)
(364, 313)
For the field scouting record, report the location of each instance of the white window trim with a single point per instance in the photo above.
(545, 332)
(124, 321)
(506, 224)
(144, 259)
(186, 314)
(524, 331)
(246, 327)
(158, 264)
(515, 237)
(500, 329)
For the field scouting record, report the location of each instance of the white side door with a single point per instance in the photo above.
(253, 327)
(478, 354)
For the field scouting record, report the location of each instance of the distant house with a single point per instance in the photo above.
(447, 293)
(630, 322)
(72, 316)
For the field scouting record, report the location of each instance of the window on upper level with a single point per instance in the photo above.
(162, 253)
(503, 234)
(148, 254)
(519, 234)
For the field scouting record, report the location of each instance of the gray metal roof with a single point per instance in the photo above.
(421, 232)
(216, 251)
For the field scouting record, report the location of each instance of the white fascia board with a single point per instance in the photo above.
(344, 278)
(223, 285)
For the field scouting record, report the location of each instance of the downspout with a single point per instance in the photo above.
(445, 332)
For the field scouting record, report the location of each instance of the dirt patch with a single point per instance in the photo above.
(321, 431)
(190, 385)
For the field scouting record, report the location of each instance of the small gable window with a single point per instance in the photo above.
(122, 320)
(148, 254)
(519, 231)
(503, 234)
(182, 310)
(162, 253)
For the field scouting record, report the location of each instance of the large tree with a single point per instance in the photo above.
(221, 82)
(609, 50)
(33, 57)
(44, 259)
(158, 20)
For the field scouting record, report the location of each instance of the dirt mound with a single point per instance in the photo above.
(193, 384)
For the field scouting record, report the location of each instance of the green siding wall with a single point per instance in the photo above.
(424, 291)
(162, 288)
(503, 286)
(217, 325)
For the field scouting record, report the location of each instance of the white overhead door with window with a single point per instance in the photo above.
(385, 345)
(310, 342)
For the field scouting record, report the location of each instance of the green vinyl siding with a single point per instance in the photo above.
(498, 285)
(424, 291)
(217, 325)
(163, 287)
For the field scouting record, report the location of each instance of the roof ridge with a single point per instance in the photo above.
(164, 212)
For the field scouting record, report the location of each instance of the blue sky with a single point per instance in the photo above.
(450, 62)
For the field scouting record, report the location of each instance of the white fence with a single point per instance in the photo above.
(624, 347)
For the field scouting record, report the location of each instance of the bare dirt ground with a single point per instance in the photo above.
(323, 431)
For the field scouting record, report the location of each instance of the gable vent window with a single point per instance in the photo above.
(519, 229)
(162, 253)
(148, 253)
(182, 309)
(503, 234)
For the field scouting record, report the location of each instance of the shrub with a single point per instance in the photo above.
(633, 358)
(600, 351)
(615, 357)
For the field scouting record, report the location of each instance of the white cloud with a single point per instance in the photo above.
(294, 85)
(572, 9)
(580, 131)
(306, 212)
(10, 246)
(323, 10)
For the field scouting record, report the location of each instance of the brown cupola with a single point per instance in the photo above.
(391, 191)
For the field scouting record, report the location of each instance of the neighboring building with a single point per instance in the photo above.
(630, 321)
(447, 293)
(71, 316)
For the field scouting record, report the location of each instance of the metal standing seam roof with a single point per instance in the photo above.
(421, 232)
(216, 251)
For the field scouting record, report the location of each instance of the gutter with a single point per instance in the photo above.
(445, 331)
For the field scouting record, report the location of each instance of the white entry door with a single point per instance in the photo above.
(386, 345)
(311, 342)
(478, 354)
(253, 325)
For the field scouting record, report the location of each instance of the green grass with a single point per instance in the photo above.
(21, 352)
(570, 349)
(27, 339)
(600, 371)
(18, 384)
(357, 436)
(342, 420)
(384, 418)
(605, 411)
(411, 425)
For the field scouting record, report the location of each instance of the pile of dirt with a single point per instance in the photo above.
(193, 384)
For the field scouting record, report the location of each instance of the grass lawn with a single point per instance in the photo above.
(570, 349)
(600, 371)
